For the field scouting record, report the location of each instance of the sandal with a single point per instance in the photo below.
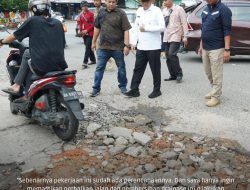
(11, 91)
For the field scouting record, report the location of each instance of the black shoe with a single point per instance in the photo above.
(178, 79)
(170, 78)
(155, 94)
(92, 63)
(95, 93)
(84, 66)
(132, 93)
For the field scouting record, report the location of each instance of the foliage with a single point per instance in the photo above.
(12, 5)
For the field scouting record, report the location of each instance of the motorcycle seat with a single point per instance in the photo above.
(52, 74)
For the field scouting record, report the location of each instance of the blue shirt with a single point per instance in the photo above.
(216, 24)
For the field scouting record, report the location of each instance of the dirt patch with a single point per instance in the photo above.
(8, 176)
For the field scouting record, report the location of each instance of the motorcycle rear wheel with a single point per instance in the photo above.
(69, 130)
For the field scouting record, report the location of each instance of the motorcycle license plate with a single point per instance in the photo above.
(72, 95)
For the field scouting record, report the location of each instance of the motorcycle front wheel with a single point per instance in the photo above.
(69, 128)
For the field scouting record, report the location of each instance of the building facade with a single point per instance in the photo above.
(70, 8)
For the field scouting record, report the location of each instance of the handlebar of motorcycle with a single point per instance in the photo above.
(16, 44)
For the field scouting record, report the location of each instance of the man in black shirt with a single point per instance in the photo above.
(112, 25)
(46, 43)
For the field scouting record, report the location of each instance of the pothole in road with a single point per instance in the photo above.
(126, 144)
(108, 117)
(157, 114)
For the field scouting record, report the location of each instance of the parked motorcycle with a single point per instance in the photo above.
(52, 98)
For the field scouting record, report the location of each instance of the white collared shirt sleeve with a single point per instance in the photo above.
(157, 26)
(134, 36)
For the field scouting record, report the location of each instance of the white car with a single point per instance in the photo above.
(189, 3)
(57, 15)
(131, 14)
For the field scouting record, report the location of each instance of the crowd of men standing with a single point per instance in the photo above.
(106, 33)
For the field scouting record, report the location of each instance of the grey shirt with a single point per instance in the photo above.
(112, 25)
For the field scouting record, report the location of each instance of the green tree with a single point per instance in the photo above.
(23, 5)
(11, 5)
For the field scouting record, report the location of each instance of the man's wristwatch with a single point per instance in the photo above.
(227, 50)
(128, 46)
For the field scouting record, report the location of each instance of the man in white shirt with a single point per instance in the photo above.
(149, 24)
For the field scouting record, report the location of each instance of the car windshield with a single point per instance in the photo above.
(131, 17)
(239, 12)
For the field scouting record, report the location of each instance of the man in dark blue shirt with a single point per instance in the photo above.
(215, 46)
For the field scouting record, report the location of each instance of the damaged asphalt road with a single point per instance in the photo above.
(181, 105)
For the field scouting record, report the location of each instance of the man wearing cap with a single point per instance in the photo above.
(87, 29)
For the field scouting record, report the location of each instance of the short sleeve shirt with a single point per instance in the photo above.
(46, 43)
(112, 25)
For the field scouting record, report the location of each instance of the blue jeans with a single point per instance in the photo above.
(103, 56)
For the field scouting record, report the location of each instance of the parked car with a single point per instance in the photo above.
(188, 3)
(131, 14)
(57, 15)
(240, 38)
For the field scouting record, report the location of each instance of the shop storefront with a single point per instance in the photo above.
(12, 19)
(70, 8)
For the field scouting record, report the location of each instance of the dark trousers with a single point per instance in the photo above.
(162, 43)
(173, 63)
(142, 58)
(88, 51)
(25, 71)
(24, 68)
